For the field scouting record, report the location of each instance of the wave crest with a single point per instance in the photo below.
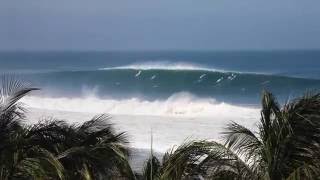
(165, 65)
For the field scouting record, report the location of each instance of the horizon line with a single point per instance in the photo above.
(151, 50)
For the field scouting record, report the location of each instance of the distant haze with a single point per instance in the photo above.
(159, 24)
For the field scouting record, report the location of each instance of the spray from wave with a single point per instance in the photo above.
(181, 104)
(165, 65)
(178, 66)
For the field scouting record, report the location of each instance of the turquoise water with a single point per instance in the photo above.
(233, 77)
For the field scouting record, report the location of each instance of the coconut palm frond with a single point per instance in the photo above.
(11, 91)
(22, 159)
(270, 110)
(18, 156)
(11, 111)
(53, 149)
(39, 164)
(178, 160)
(92, 148)
(222, 163)
(99, 130)
(49, 134)
(201, 159)
(151, 170)
(243, 141)
(204, 159)
(303, 146)
(93, 143)
(305, 171)
(292, 139)
(303, 114)
(85, 173)
(286, 145)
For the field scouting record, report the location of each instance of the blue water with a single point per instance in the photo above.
(234, 77)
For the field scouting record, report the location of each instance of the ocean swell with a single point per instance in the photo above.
(154, 84)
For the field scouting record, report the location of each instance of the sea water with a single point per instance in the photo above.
(174, 94)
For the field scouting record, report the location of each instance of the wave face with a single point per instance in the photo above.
(301, 63)
(155, 83)
(164, 83)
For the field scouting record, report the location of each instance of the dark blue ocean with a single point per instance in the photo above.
(233, 77)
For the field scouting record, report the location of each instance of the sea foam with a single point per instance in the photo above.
(181, 104)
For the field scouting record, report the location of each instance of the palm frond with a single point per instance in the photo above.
(151, 170)
(243, 141)
(222, 163)
(92, 147)
(270, 110)
(176, 161)
(202, 159)
(11, 91)
(305, 171)
(39, 164)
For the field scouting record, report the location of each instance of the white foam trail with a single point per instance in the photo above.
(232, 77)
(202, 76)
(153, 77)
(219, 80)
(180, 104)
(265, 82)
(138, 74)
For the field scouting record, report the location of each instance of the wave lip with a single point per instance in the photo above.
(165, 65)
(178, 66)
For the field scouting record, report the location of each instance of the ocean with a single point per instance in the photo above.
(232, 77)
(177, 93)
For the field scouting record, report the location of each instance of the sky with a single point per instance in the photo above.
(159, 24)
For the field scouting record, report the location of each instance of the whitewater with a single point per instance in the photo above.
(172, 121)
(167, 131)
(180, 118)
(181, 104)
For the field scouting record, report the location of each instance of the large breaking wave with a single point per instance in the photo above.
(159, 82)
(165, 65)
(181, 104)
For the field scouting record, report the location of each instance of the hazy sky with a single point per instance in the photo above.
(159, 24)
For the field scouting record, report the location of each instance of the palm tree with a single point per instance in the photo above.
(53, 149)
(178, 163)
(287, 142)
(18, 158)
(286, 146)
(91, 150)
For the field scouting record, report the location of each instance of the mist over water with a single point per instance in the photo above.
(164, 83)
(180, 105)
